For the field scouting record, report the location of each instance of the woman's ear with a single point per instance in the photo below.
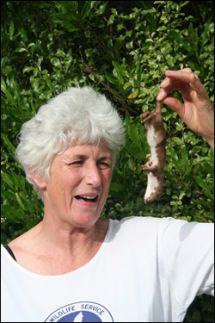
(38, 179)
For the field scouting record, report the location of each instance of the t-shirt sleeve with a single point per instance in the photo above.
(186, 259)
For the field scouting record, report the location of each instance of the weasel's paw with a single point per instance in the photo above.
(149, 166)
(146, 116)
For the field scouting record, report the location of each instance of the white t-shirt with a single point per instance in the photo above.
(147, 270)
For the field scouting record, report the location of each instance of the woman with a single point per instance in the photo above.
(75, 266)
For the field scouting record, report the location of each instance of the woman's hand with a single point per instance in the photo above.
(196, 110)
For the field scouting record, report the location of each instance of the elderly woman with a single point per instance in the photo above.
(75, 266)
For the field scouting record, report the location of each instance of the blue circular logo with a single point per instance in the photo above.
(81, 312)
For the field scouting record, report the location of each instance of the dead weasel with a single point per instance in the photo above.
(156, 138)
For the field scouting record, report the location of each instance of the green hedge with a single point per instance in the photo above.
(121, 48)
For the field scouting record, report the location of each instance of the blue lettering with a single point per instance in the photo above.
(63, 312)
(94, 308)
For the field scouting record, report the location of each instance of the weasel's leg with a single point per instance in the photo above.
(153, 190)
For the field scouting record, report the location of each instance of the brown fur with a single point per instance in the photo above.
(154, 119)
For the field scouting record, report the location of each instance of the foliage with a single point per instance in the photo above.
(121, 48)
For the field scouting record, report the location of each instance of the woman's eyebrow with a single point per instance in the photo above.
(75, 157)
(79, 156)
(105, 158)
(84, 157)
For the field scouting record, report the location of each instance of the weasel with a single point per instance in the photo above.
(156, 138)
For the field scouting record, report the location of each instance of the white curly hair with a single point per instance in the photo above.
(79, 115)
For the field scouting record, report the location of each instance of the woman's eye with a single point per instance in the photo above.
(104, 165)
(76, 162)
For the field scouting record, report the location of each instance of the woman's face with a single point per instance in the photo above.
(78, 186)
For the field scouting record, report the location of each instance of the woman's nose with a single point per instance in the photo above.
(93, 176)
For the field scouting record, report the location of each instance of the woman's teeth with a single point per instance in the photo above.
(86, 198)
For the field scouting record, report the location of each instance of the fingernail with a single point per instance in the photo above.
(168, 72)
(165, 82)
(159, 96)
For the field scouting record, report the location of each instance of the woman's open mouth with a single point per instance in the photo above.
(87, 198)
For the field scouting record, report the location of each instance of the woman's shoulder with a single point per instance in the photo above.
(136, 225)
(148, 225)
(133, 221)
(21, 244)
(21, 240)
